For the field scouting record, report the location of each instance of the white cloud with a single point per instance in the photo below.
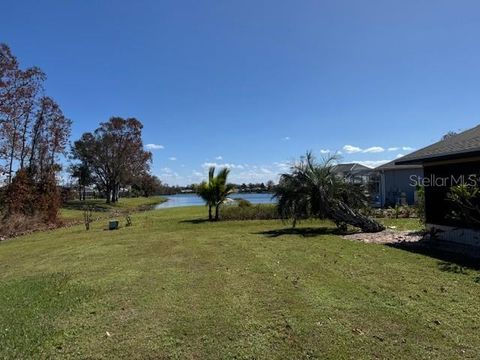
(240, 173)
(324, 151)
(350, 149)
(226, 165)
(374, 149)
(219, 157)
(286, 138)
(372, 163)
(254, 176)
(243, 173)
(172, 158)
(282, 166)
(169, 174)
(404, 148)
(154, 146)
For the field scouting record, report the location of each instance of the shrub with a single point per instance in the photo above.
(398, 212)
(48, 200)
(20, 195)
(252, 212)
(421, 204)
(67, 194)
(465, 200)
(3, 193)
(25, 196)
(242, 202)
(20, 224)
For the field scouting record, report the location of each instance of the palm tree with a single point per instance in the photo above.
(205, 191)
(313, 190)
(215, 191)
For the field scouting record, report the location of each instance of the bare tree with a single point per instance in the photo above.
(19, 92)
(33, 133)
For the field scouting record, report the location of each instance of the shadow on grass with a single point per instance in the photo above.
(452, 268)
(196, 221)
(449, 261)
(97, 204)
(305, 232)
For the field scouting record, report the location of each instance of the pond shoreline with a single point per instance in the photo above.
(182, 200)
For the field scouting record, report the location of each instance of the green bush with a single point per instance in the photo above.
(421, 204)
(398, 212)
(252, 212)
(465, 200)
(242, 202)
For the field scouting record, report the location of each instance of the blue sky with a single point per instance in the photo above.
(254, 84)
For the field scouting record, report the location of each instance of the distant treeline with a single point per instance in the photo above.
(165, 189)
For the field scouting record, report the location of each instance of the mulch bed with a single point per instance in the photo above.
(386, 237)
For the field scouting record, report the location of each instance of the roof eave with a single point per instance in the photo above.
(436, 158)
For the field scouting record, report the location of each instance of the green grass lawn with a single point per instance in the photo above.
(73, 210)
(173, 286)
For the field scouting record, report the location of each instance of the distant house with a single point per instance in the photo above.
(395, 184)
(88, 192)
(353, 172)
(449, 162)
(359, 174)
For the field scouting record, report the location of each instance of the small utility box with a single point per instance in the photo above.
(113, 225)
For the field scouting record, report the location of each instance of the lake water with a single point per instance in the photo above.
(193, 199)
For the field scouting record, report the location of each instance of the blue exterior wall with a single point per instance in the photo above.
(395, 182)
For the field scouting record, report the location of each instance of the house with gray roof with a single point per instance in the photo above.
(395, 184)
(356, 173)
(450, 162)
(388, 185)
(353, 172)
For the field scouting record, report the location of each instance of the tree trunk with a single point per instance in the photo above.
(210, 213)
(23, 153)
(217, 212)
(10, 165)
(342, 213)
(108, 193)
(114, 194)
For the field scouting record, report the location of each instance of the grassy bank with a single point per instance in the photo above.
(175, 286)
(73, 210)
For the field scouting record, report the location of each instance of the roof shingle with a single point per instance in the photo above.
(393, 166)
(464, 144)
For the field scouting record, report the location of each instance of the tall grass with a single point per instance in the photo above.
(251, 212)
